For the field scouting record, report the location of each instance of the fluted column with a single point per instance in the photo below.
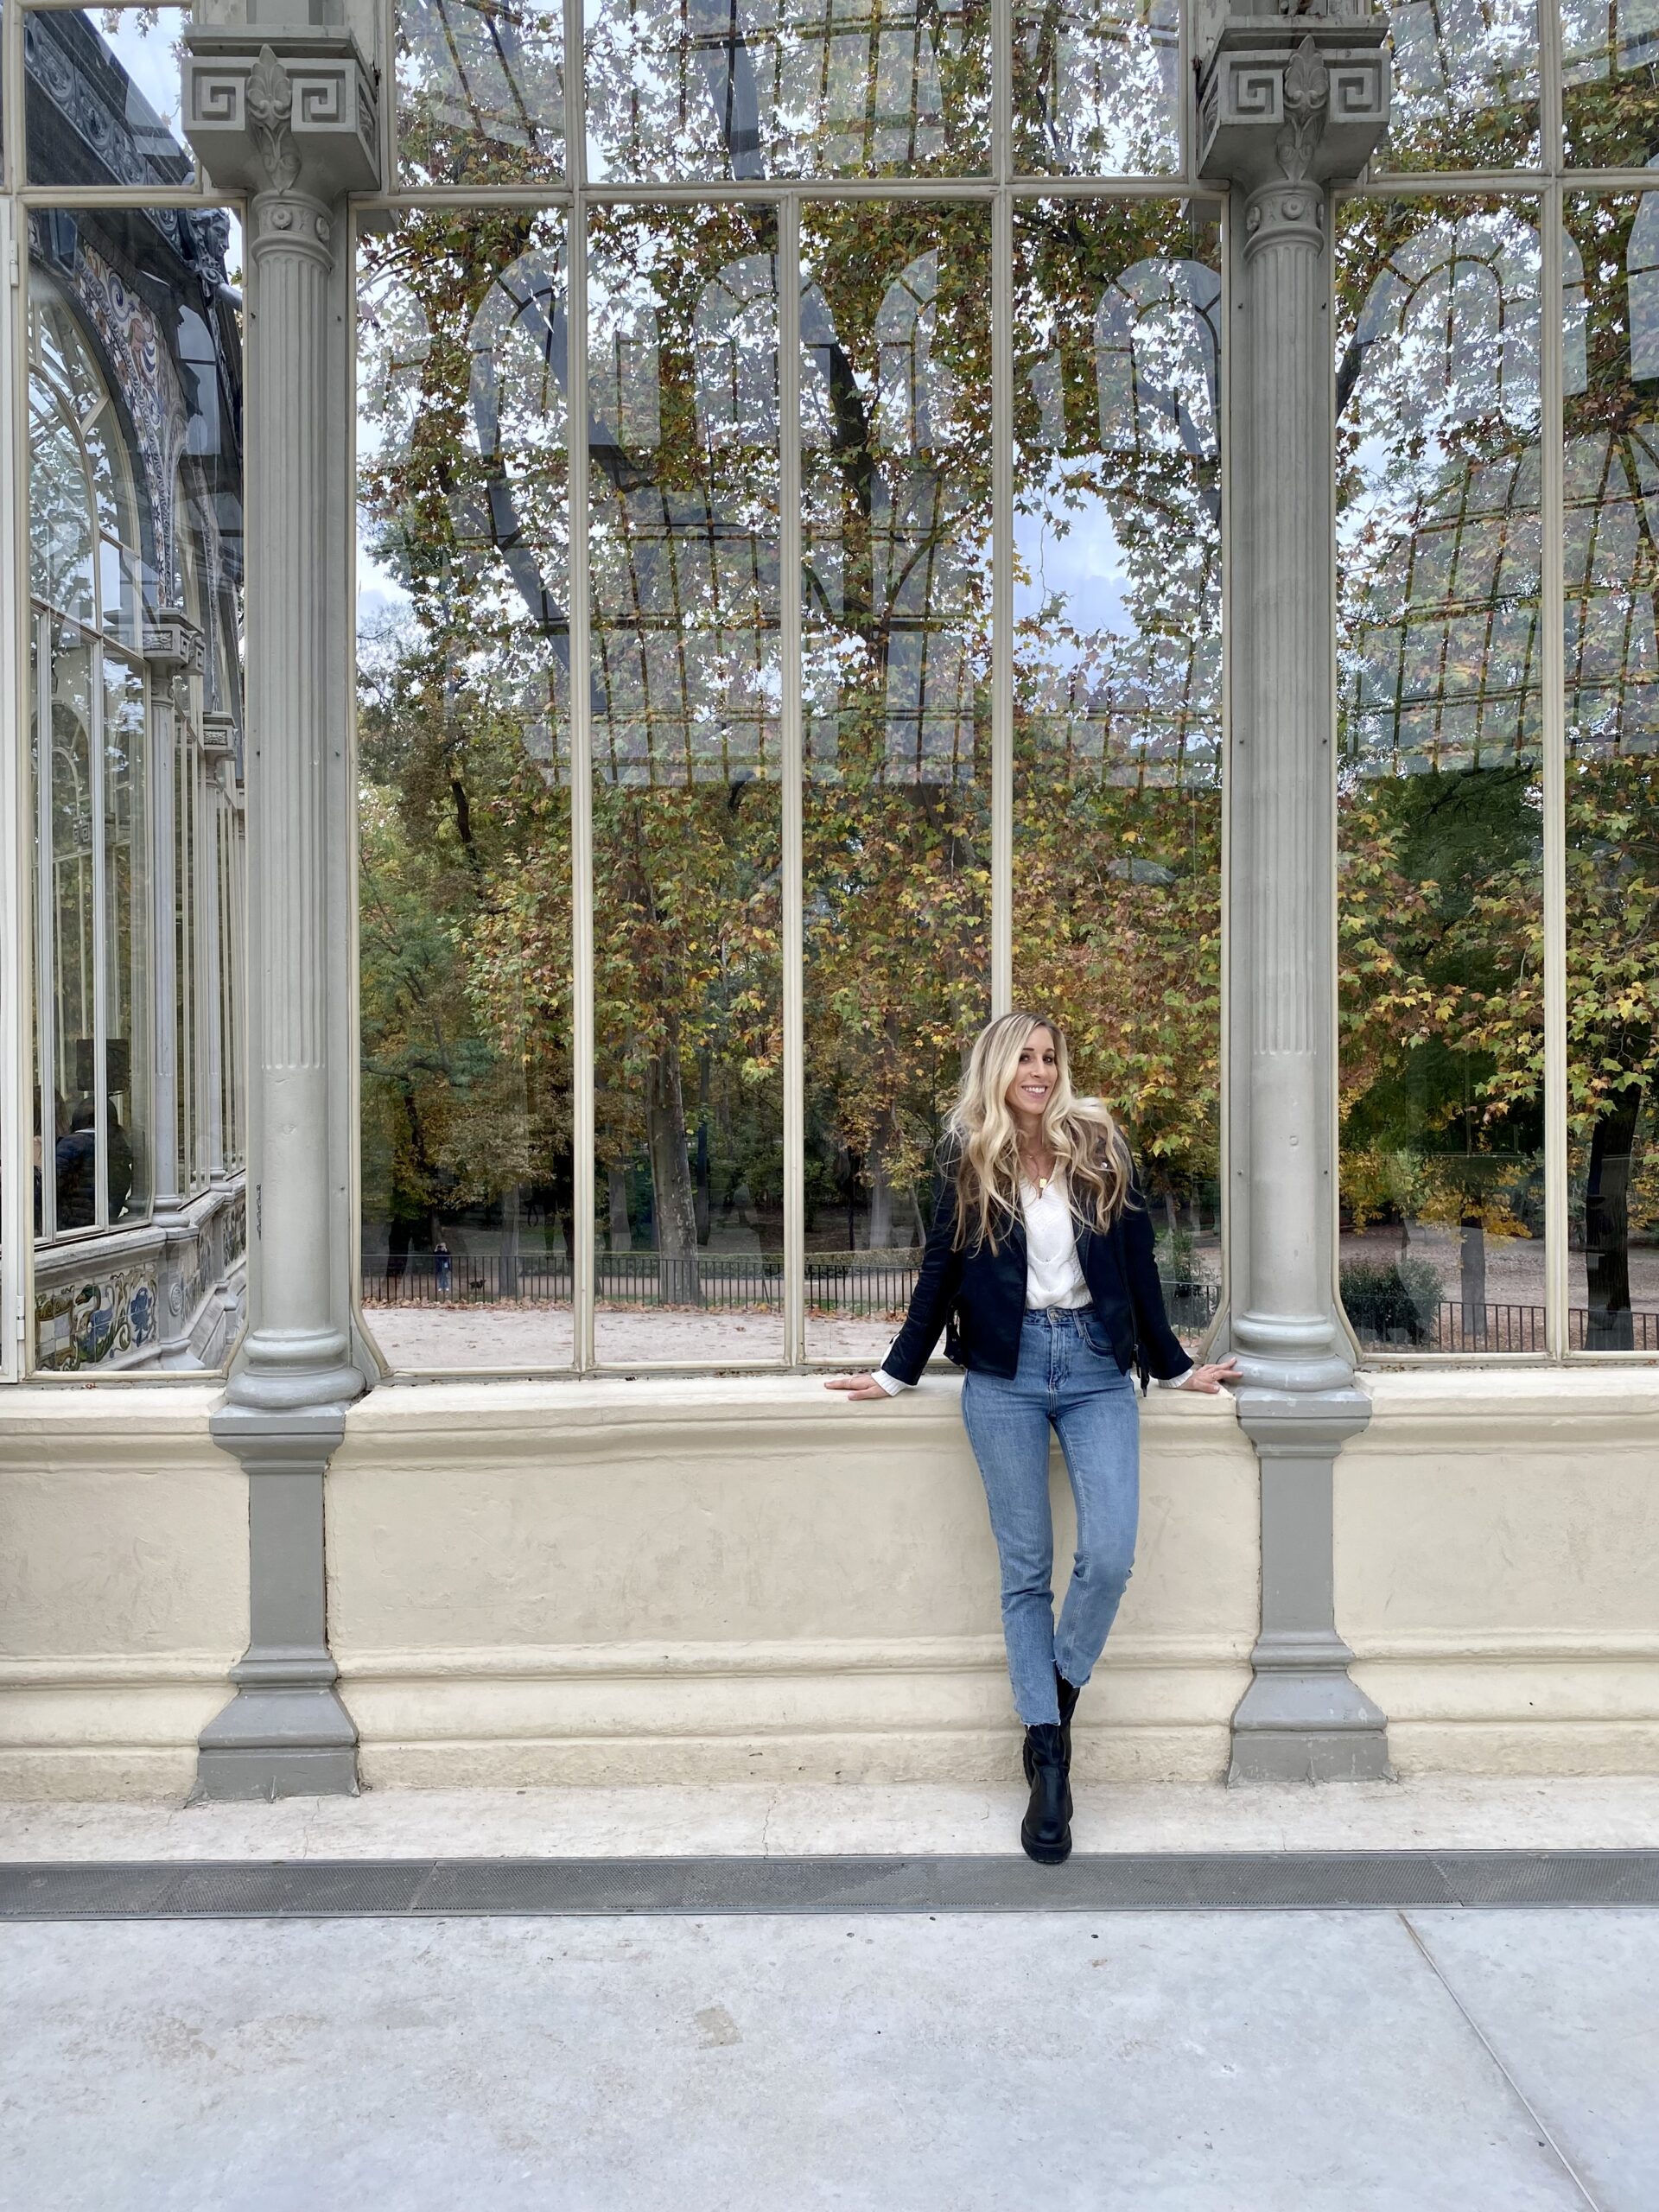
(284, 112)
(1287, 106)
(172, 644)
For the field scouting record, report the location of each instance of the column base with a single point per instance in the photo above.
(285, 1733)
(277, 1743)
(1302, 1719)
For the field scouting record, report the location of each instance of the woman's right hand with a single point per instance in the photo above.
(857, 1386)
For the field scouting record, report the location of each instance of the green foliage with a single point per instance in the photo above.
(1392, 1304)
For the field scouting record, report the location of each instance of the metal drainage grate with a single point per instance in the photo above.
(1125, 1882)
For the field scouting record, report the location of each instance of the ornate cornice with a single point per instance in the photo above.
(273, 111)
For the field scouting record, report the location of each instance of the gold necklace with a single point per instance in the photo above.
(1042, 1182)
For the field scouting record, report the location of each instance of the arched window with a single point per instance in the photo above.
(93, 924)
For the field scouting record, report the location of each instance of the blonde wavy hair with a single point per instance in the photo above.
(1080, 1134)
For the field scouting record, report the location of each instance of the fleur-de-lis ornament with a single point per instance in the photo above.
(1308, 95)
(270, 112)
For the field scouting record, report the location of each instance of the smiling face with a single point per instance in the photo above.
(1034, 1079)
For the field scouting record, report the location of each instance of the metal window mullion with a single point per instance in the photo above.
(100, 944)
(45, 917)
(581, 798)
(1552, 660)
(388, 14)
(201, 968)
(1216, 1336)
(1550, 91)
(790, 747)
(12, 102)
(17, 828)
(1002, 607)
(1001, 511)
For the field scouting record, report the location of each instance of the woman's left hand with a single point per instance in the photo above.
(1212, 1378)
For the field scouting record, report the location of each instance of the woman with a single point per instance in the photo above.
(1039, 1267)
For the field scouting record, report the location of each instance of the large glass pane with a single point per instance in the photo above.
(103, 96)
(1465, 85)
(480, 91)
(124, 1096)
(136, 535)
(1440, 803)
(1117, 689)
(1097, 87)
(684, 513)
(1609, 89)
(689, 88)
(896, 496)
(68, 940)
(464, 803)
(1612, 562)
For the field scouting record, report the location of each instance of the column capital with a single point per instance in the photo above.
(172, 642)
(287, 110)
(1289, 102)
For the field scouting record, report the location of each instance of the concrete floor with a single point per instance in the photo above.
(1428, 2061)
(1295, 2062)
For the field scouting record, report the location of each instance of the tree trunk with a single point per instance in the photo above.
(1471, 1280)
(670, 1179)
(507, 1266)
(616, 1193)
(876, 1173)
(1608, 1326)
(703, 1182)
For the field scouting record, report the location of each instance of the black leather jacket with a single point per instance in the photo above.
(978, 1297)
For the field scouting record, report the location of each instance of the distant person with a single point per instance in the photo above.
(77, 1169)
(119, 1164)
(1041, 1266)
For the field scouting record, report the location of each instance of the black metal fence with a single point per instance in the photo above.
(879, 1284)
(843, 1283)
(1452, 1326)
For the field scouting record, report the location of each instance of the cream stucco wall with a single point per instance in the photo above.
(708, 1578)
(1497, 1567)
(123, 1586)
(740, 1577)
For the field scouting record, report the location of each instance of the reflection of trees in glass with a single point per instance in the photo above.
(480, 92)
(1440, 913)
(895, 432)
(841, 87)
(1609, 82)
(1117, 663)
(1466, 84)
(1612, 572)
(1096, 87)
(464, 895)
(684, 513)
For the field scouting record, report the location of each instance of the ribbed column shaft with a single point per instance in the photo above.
(164, 971)
(1285, 710)
(294, 1333)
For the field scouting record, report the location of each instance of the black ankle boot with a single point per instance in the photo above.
(1068, 1694)
(1045, 1832)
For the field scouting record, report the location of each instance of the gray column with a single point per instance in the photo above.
(173, 647)
(1287, 106)
(284, 110)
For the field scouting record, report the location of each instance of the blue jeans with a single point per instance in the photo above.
(1067, 1378)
